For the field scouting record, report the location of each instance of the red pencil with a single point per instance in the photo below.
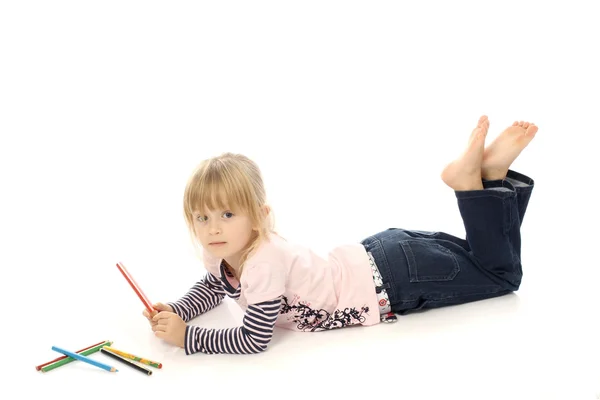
(135, 287)
(39, 367)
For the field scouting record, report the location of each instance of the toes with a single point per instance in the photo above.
(531, 130)
(481, 128)
(480, 134)
(485, 126)
(516, 123)
(526, 125)
(482, 121)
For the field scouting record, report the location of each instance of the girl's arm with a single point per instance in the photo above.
(203, 296)
(252, 337)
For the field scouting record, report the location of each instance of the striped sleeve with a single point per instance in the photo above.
(250, 338)
(203, 296)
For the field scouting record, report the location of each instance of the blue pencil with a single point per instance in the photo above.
(85, 359)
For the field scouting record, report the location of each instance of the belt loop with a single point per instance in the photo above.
(384, 286)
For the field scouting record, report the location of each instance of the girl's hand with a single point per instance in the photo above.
(169, 327)
(158, 307)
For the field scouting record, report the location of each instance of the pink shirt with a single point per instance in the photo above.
(318, 293)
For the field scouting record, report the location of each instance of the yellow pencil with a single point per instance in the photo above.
(135, 358)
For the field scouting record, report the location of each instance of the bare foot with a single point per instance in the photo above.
(500, 154)
(464, 173)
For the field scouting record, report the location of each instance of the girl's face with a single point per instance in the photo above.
(223, 233)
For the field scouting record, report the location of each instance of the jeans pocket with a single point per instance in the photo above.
(429, 261)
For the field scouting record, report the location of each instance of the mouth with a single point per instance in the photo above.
(216, 243)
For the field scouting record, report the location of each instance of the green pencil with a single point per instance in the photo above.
(69, 359)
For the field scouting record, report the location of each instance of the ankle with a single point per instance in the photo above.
(493, 174)
(468, 187)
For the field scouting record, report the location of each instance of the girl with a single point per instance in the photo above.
(395, 271)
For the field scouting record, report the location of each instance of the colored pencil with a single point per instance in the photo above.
(70, 359)
(63, 357)
(135, 287)
(126, 361)
(85, 359)
(135, 358)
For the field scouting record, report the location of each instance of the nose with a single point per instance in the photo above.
(214, 227)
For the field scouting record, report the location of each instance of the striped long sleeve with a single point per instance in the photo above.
(252, 337)
(203, 296)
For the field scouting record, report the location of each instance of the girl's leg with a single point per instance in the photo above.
(492, 218)
(434, 269)
(493, 210)
(501, 153)
(424, 270)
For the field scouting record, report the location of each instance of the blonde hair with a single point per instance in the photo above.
(229, 181)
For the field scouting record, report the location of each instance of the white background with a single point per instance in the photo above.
(351, 109)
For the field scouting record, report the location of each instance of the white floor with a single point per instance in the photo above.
(539, 343)
(351, 111)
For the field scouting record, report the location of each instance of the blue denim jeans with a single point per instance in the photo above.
(423, 270)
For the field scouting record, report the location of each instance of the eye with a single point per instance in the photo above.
(228, 214)
(200, 218)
